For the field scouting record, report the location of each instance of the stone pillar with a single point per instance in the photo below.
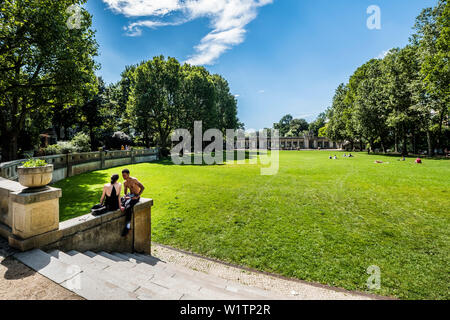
(35, 212)
(102, 159)
(306, 143)
(315, 144)
(142, 227)
(69, 166)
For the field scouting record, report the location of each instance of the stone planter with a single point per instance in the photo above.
(35, 177)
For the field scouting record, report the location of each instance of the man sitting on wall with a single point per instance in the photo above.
(130, 199)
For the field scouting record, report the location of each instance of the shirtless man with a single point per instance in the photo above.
(130, 199)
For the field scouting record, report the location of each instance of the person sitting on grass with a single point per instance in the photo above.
(335, 157)
(350, 155)
(418, 161)
(130, 199)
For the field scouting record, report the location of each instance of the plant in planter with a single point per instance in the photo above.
(35, 173)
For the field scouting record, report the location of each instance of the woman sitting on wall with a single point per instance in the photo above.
(111, 196)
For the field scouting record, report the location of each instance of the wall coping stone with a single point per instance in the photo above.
(27, 196)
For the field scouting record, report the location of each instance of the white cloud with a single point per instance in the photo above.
(261, 91)
(229, 19)
(383, 54)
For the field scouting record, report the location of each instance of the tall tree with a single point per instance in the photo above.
(338, 115)
(317, 124)
(43, 62)
(433, 40)
(197, 99)
(284, 125)
(371, 107)
(153, 102)
(297, 127)
(401, 71)
(226, 104)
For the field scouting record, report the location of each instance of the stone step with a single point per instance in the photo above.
(71, 276)
(92, 268)
(125, 276)
(84, 262)
(177, 280)
(132, 274)
(104, 258)
(185, 279)
(48, 266)
(91, 287)
(207, 280)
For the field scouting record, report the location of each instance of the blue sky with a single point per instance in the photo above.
(280, 56)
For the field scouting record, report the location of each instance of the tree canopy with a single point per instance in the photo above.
(401, 100)
(43, 63)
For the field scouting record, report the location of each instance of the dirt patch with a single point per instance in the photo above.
(18, 282)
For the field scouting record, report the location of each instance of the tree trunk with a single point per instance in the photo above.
(9, 146)
(396, 141)
(430, 147)
(405, 146)
(439, 137)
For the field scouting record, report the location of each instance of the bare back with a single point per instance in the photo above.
(108, 188)
(133, 185)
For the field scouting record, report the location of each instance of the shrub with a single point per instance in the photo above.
(34, 163)
(82, 142)
(52, 149)
(66, 147)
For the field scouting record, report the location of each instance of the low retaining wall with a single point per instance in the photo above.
(30, 218)
(68, 165)
(101, 233)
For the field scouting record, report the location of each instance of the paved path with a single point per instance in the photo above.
(18, 282)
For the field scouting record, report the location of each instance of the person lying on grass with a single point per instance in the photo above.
(130, 199)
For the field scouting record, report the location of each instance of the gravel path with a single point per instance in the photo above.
(291, 289)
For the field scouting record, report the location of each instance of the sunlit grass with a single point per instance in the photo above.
(318, 220)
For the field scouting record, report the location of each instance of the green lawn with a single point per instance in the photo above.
(318, 220)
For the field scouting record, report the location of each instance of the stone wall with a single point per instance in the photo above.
(68, 165)
(29, 218)
(101, 233)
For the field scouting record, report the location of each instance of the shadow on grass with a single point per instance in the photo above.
(409, 156)
(80, 193)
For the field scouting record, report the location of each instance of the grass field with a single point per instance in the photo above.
(318, 220)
